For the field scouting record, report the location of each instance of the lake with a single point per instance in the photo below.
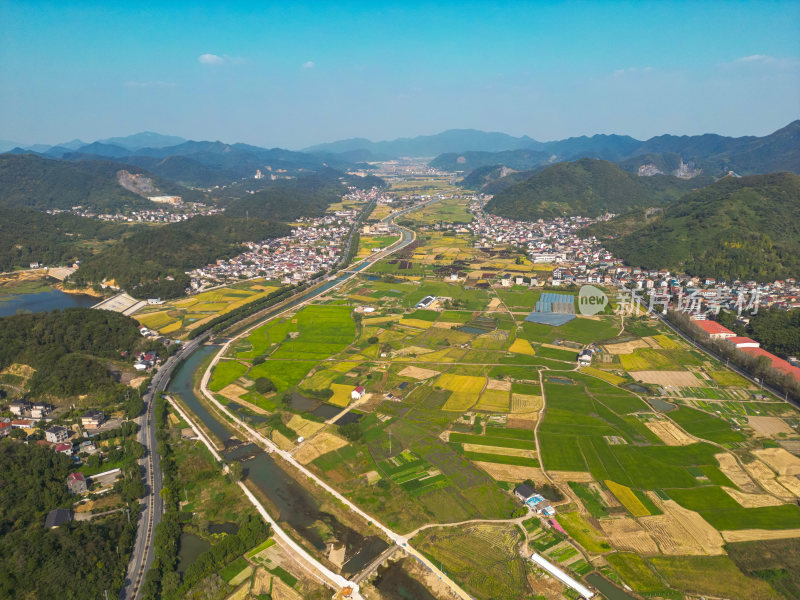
(36, 302)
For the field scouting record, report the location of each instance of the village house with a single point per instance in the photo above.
(56, 435)
(76, 483)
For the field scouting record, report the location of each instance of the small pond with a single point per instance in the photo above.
(190, 547)
(661, 405)
(608, 589)
(394, 582)
(561, 380)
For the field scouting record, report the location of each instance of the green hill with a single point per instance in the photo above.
(152, 261)
(737, 228)
(586, 187)
(29, 181)
(28, 236)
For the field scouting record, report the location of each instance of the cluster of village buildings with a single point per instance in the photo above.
(147, 215)
(314, 245)
(583, 260)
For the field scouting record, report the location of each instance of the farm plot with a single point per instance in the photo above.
(481, 557)
(604, 375)
(341, 394)
(636, 572)
(418, 373)
(723, 512)
(681, 531)
(583, 533)
(666, 378)
(627, 534)
(493, 401)
(703, 425)
(520, 346)
(770, 426)
(465, 388)
(628, 499)
(669, 433)
(625, 347)
(225, 373)
(415, 475)
(779, 460)
(712, 576)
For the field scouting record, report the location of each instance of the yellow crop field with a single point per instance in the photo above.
(156, 320)
(460, 401)
(341, 394)
(461, 383)
(494, 401)
(345, 366)
(380, 320)
(360, 298)
(628, 499)
(633, 362)
(604, 375)
(666, 342)
(521, 346)
(171, 327)
(418, 323)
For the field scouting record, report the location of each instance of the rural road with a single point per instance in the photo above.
(150, 516)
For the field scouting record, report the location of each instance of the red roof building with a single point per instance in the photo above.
(777, 363)
(742, 342)
(713, 329)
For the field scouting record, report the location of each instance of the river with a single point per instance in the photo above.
(46, 301)
(296, 506)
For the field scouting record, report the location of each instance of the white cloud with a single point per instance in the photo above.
(755, 58)
(149, 84)
(210, 59)
(762, 60)
(217, 60)
(309, 64)
(631, 71)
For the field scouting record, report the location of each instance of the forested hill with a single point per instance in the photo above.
(152, 262)
(68, 349)
(737, 228)
(309, 196)
(586, 187)
(28, 236)
(31, 181)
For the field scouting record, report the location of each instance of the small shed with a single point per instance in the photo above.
(57, 517)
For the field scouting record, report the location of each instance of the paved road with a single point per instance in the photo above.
(150, 516)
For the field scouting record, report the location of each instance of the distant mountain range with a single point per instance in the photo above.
(453, 140)
(190, 163)
(466, 149)
(711, 154)
(736, 228)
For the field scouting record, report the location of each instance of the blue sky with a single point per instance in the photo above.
(292, 74)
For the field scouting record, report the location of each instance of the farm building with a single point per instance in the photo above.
(357, 393)
(585, 357)
(553, 309)
(561, 576)
(713, 329)
(523, 491)
(57, 517)
(742, 342)
(425, 302)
